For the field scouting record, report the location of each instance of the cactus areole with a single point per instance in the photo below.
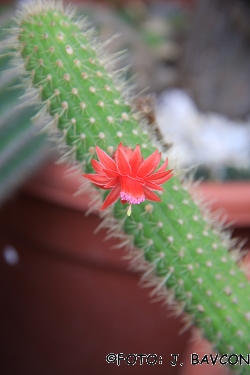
(182, 249)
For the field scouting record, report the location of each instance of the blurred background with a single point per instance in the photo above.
(67, 299)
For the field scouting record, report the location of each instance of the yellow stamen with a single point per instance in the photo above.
(129, 211)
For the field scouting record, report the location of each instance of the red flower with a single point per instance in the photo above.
(130, 177)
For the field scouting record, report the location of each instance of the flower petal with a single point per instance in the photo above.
(97, 179)
(153, 186)
(131, 190)
(149, 164)
(97, 166)
(163, 167)
(110, 173)
(135, 159)
(150, 195)
(112, 197)
(112, 183)
(126, 150)
(105, 159)
(156, 176)
(123, 166)
(162, 180)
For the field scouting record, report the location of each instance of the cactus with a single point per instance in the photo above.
(181, 248)
(22, 149)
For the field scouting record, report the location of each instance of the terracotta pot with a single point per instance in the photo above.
(67, 299)
(232, 197)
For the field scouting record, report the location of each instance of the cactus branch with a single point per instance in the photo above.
(183, 252)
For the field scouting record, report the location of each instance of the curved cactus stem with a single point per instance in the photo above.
(181, 249)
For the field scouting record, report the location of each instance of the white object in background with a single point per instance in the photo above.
(199, 138)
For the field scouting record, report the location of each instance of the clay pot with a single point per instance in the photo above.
(67, 299)
(232, 197)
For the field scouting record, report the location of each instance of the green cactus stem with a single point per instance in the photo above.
(183, 251)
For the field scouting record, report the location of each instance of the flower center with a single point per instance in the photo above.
(131, 190)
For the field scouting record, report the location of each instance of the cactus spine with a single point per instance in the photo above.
(183, 251)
